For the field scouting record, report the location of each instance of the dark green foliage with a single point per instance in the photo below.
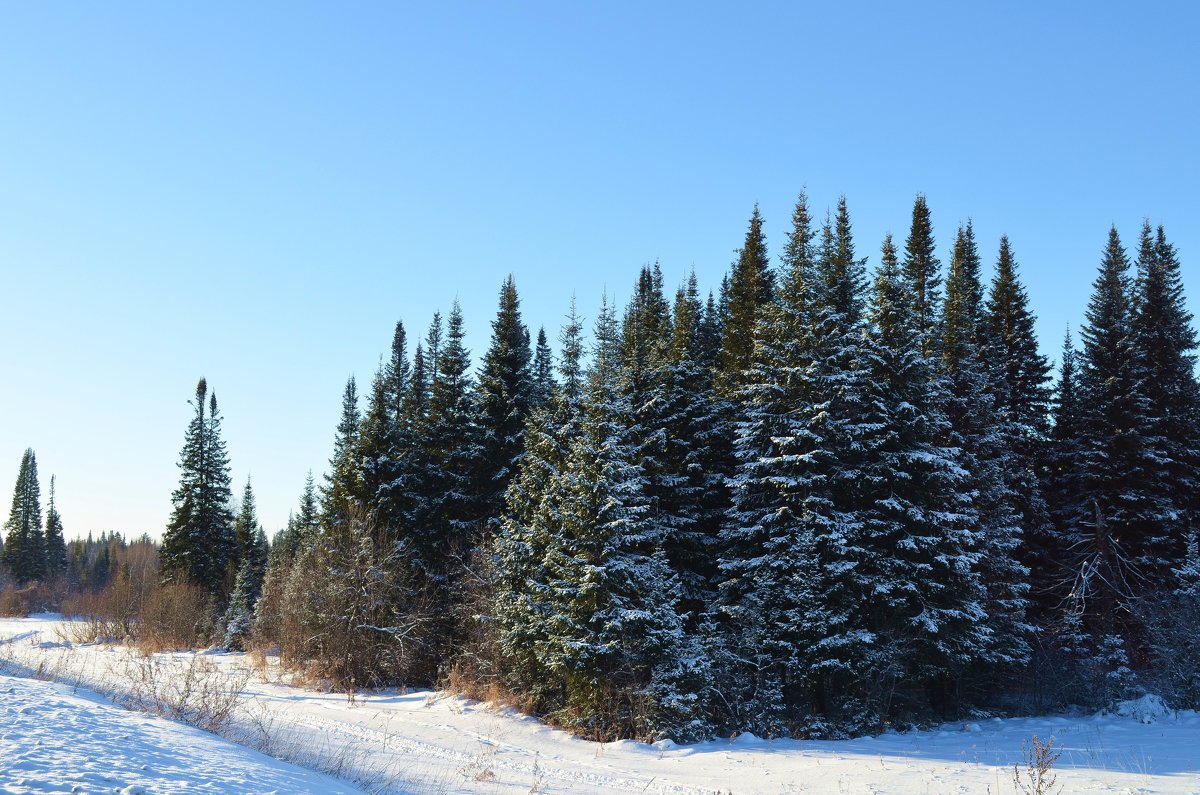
(748, 289)
(24, 539)
(928, 611)
(504, 396)
(200, 543)
(543, 371)
(1020, 388)
(56, 547)
(803, 508)
(984, 434)
(923, 270)
(342, 493)
(1164, 345)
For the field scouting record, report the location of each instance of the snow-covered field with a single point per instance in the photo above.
(56, 740)
(424, 742)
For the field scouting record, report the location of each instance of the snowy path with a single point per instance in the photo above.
(53, 740)
(422, 742)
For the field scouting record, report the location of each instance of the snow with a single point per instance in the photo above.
(55, 740)
(426, 742)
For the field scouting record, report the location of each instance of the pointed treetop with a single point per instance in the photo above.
(922, 268)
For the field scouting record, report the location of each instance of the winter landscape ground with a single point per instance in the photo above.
(66, 735)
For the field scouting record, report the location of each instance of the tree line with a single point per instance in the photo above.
(818, 501)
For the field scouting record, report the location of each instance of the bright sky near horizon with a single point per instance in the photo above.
(256, 192)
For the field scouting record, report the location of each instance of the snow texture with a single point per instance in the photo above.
(425, 742)
(54, 739)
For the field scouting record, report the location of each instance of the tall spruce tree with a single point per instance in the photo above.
(530, 528)
(697, 456)
(927, 607)
(342, 493)
(56, 547)
(504, 396)
(1164, 344)
(200, 543)
(448, 521)
(771, 594)
(923, 270)
(748, 288)
(24, 541)
(1063, 479)
(1020, 387)
(1113, 518)
(612, 595)
(543, 371)
(984, 434)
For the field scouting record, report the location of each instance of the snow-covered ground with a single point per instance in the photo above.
(424, 742)
(55, 740)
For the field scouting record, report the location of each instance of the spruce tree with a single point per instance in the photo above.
(614, 632)
(1020, 388)
(1164, 343)
(529, 529)
(748, 289)
(246, 524)
(447, 518)
(504, 396)
(927, 608)
(923, 270)
(200, 544)
(342, 493)
(771, 594)
(543, 371)
(56, 547)
(1115, 510)
(984, 435)
(698, 455)
(24, 541)
(1063, 483)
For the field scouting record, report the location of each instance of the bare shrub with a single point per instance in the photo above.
(109, 616)
(173, 617)
(190, 689)
(13, 603)
(1037, 776)
(353, 614)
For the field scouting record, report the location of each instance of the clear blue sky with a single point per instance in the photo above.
(256, 192)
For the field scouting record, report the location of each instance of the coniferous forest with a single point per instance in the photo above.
(821, 499)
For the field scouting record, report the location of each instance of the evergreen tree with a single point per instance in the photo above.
(614, 630)
(342, 492)
(1113, 513)
(447, 519)
(529, 529)
(771, 595)
(246, 524)
(1064, 483)
(504, 397)
(923, 270)
(1020, 387)
(698, 456)
(983, 434)
(24, 541)
(543, 371)
(1164, 344)
(927, 598)
(247, 588)
(749, 288)
(200, 543)
(56, 547)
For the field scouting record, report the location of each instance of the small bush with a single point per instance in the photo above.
(353, 615)
(173, 617)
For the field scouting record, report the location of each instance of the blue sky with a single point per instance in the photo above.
(257, 192)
